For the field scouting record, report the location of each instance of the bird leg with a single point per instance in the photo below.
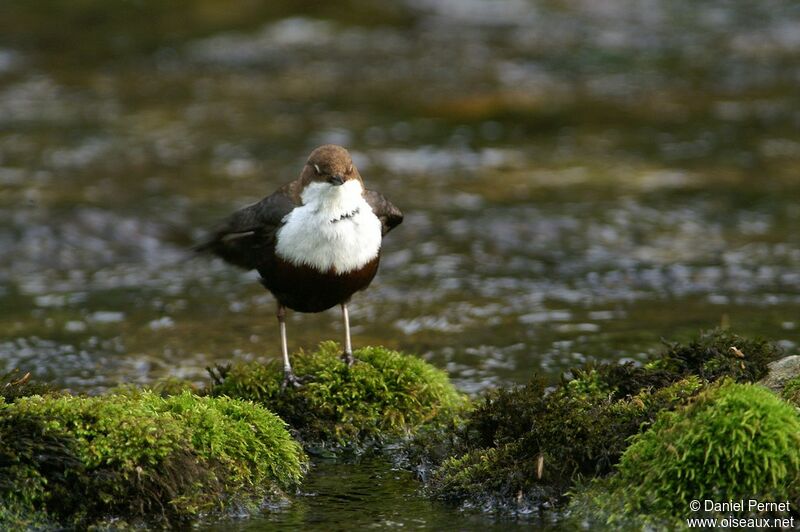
(289, 378)
(347, 356)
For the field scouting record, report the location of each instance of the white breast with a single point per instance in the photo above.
(335, 228)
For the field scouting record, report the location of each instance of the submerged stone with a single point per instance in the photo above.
(384, 395)
(137, 457)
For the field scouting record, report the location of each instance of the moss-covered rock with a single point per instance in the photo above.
(732, 442)
(719, 353)
(76, 461)
(523, 448)
(526, 447)
(14, 384)
(385, 394)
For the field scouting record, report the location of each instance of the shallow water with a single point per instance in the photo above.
(370, 494)
(580, 179)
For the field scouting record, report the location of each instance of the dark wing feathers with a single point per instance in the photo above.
(247, 237)
(389, 215)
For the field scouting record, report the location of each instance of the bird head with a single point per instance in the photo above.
(330, 164)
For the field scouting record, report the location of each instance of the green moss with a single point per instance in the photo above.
(525, 446)
(598, 504)
(587, 384)
(732, 442)
(251, 443)
(13, 385)
(28, 456)
(80, 460)
(169, 386)
(791, 391)
(385, 394)
(720, 353)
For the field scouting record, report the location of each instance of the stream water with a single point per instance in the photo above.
(580, 179)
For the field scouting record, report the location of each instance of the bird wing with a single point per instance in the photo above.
(389, 215)
(247, 237)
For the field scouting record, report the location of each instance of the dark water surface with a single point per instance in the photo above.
(371, 495)
(580, 179)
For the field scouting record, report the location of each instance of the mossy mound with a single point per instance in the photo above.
(77, 461)
(732, 442)
(385, 394)
(524, 448)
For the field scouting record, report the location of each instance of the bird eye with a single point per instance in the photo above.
(316, 169)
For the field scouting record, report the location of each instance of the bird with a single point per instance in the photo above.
(315, 241)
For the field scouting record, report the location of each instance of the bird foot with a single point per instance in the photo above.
(348, 358)
(290, 380)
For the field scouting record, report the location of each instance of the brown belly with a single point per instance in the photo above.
(305, 289)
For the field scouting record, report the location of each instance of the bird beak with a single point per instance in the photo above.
(336, 180)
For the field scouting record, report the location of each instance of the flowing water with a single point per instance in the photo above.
(580, 179)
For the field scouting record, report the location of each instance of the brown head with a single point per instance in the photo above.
(329, 164)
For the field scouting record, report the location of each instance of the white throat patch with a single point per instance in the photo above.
(335, 228)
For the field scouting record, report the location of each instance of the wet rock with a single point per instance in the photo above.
(781, 372)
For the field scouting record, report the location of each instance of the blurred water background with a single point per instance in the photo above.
(580, 179)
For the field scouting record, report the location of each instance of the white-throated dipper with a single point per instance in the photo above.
(315, 241)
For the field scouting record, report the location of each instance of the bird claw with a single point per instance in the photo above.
(290, 380)
(348, 358)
